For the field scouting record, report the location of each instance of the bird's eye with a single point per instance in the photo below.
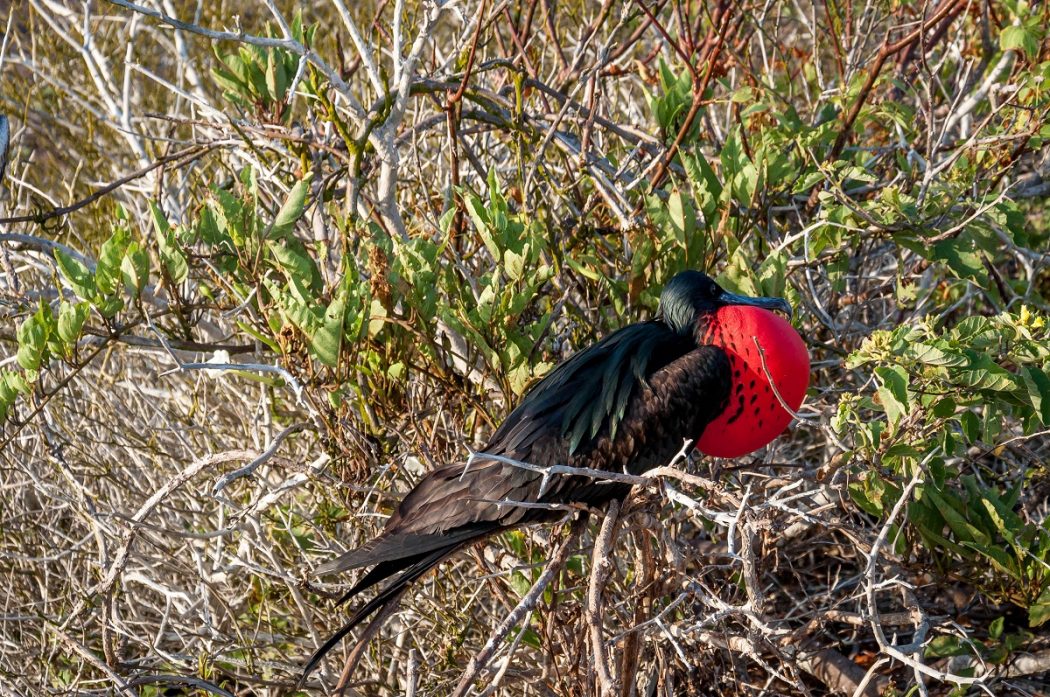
(714, 290)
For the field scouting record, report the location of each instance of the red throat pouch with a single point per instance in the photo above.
(753, 416)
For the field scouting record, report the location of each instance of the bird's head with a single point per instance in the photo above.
(763, 351)
(692, 298)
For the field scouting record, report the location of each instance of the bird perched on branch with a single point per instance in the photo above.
(625, 404)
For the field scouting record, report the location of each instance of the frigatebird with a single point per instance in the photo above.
(625, 404)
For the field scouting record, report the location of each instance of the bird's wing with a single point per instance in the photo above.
(589, 393)
(449, 507)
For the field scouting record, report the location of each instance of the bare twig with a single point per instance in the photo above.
(248, 469)
(601, 566)
(528, 603)
(885, 646)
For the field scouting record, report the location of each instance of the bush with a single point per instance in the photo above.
(355, 245)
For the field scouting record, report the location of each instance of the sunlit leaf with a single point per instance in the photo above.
(78, 275)
(292, 209)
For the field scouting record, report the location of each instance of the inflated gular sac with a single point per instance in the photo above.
(754, 416)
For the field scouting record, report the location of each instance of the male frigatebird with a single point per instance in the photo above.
(626, 404)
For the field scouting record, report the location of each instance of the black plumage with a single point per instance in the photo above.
(625, 404)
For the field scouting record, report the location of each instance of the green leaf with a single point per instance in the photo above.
(171, 257)
(683, 218)
(229, 217)
(771, 274)
(445, 222)
(962, 257)
(948, 506)
(744, 95)
(968, 329)
(327, 341)
(208, 228)
(707, 190)
(514, 264)
(173, 260)
(160, 222)
(237, 67)
(519, 378)
(808, 181)
(999, 557)
(862, 496)
(893, 392)
(228, 82)
(292, 307)
(376, 318)
(253, 332)
(71, 318)
(479, 215)
(948, 645)
(271, 75)
(295, 262)
(16, 381)
(1038, 385)
(529, 637)
(971, 426)
(11, 384)
(256, 77)
(108, 306)
(944, 408)
(930, 354)
(732, 156)
(134, 269)
(1007, 523)
(396, 371)
(292, 209)
(107, 273)
(520, 583)
(1001, 522)
(494, 193)
(1019, 38)
(1039, 611)
(984, 373)
(32, 338)
(78, 275)
(283, 74)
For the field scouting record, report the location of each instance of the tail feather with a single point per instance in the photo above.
(410, 573)
(400, 555)
(395, 546)
(380, 572)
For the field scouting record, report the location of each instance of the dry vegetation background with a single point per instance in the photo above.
(395, 215)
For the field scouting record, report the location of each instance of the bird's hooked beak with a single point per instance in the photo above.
(765, 303)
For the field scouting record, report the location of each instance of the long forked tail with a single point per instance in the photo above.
(429, 525)
(409, 572)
